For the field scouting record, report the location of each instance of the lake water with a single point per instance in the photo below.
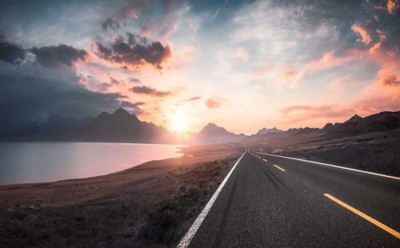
(30, 162)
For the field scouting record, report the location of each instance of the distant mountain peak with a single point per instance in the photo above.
(354, 118)
(213, 129)
(121, 111)
(264, 131)
(211, 125)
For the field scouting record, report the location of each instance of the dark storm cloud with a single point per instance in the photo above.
(53, 56)
(26, 97)
(11, 53)
(110, 23)
(134, 51)
(50, 56)
(145, 90)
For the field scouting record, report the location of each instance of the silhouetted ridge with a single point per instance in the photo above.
(121, 126)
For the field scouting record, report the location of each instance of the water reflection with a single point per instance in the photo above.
(27, 162)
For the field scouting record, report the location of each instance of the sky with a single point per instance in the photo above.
(243, 65)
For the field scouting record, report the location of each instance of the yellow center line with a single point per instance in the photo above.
(279, 167)
(368, 218)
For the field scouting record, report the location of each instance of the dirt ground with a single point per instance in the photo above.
(376, 151)
(150, 205)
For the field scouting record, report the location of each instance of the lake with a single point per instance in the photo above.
(31, 162)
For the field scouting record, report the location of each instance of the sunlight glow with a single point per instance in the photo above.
(180, 124)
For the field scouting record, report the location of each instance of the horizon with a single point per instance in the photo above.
(244, 65)
(248, 134)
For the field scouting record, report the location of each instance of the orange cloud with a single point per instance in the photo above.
(289, 73)
(375, 48)
(391, 6)
(389, 77)
(211, 103)
(363, 32)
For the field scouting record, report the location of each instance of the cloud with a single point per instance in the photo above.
(110, 23)
(191, 99)
(308, 111)
(134, 80)
(104, 87)
(388, 77)
(50, 56)
(344, 82)
(53, 56)
(212, 104)
(242, 54)
(363, 30)
(133, 107)
(133, 51)
(391, 5)
(11, 53)
(145, 90)
(319, 115)
(375, 48)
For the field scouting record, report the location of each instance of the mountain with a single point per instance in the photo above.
(212, 133)
(265, 131)
(374, 123)
(54, 123)
(121, 126)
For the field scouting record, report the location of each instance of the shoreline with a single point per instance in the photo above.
(48, 193)
(149, 205)
(49, 162)
(42, 183)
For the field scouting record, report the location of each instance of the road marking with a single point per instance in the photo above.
(185, 241)
(332, 165)
(279, 167)
(368, 218)
(265, 160)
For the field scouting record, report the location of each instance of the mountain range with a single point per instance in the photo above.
(121, 126)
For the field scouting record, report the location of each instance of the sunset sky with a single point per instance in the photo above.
(243, 65)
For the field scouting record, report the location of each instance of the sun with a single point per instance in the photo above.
(179, 124)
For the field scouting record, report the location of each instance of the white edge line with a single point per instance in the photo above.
(185, 241)
(332, 165)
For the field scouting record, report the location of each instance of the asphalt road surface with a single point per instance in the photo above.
(277, 202)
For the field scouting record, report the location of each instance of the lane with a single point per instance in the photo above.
(262, 206)
(377, 196)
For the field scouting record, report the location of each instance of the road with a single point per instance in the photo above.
(277, 202)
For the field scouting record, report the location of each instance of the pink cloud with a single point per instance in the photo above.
(242, 54)
(183, 56)
(344, 82)
(261, 70)
(319, 115)
(329, 60)
(389, 77)
(363, 30)
(212, 104)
